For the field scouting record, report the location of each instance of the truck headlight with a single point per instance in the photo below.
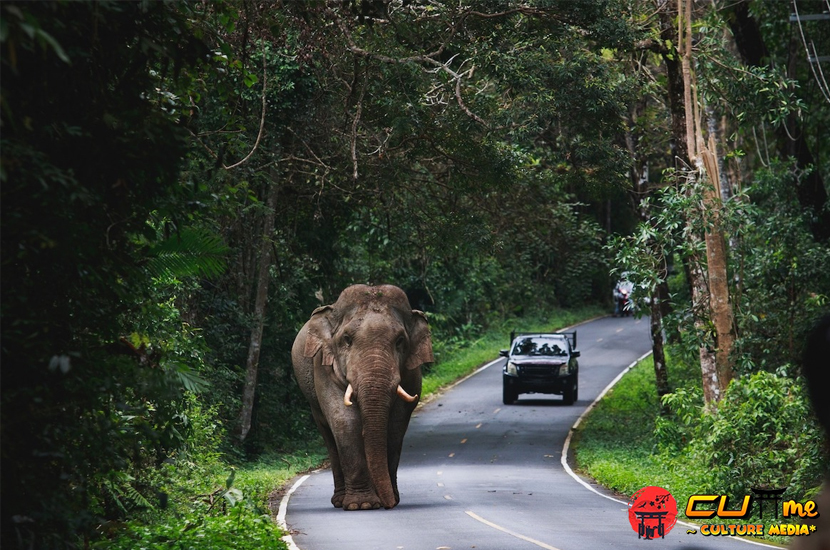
(512, 370)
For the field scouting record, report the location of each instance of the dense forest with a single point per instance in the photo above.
(184, 182)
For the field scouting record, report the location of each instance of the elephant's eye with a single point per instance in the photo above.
(401, 343)
(347, 340)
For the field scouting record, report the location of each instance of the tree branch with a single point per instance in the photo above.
(262, 118)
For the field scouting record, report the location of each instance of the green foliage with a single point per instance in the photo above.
(240, 529)
(762, 434)
(785, 281)
(189, 253)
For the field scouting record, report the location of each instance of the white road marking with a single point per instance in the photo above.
(463, 441)
(289, 540)
(540, 544)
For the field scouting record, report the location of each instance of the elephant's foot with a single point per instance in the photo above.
(361, 501)
(337, 498)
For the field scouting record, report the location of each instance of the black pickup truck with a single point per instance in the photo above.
(543, 362)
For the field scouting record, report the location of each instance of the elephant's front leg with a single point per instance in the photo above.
(343, 432)
(398, 424)
(359, 493)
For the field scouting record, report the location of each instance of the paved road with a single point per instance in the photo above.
(478, 474)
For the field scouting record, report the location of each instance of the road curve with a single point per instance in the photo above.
(479, 474)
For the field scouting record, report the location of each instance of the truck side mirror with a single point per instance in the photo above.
(504, 353)
(575, 353)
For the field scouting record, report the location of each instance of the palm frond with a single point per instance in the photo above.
(190, 252)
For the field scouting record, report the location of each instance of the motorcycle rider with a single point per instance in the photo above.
(622, 296)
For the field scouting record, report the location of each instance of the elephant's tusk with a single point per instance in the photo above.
(405, 396)
(347, 399)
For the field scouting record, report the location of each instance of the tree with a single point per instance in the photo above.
(95, 359)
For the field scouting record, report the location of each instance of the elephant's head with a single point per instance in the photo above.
(372, 339)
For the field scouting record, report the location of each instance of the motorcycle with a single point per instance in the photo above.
(623, 305)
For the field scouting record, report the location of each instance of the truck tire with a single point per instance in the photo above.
(571, 393)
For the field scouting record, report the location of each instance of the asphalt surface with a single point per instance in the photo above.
(479, 474)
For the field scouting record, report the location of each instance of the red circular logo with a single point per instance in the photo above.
(652, 512)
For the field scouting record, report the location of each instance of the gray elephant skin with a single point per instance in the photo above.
(358, 362)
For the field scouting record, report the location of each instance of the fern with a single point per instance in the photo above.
(123, 493)
(190, 252)
(187, 377)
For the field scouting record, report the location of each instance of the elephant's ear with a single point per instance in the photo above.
(319, 335)
(420, 342)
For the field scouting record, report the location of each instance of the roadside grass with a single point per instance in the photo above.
(615, 444)
(618, 443)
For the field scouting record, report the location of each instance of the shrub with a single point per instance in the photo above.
(764, 434)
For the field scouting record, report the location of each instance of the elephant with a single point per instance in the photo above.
(358, 363)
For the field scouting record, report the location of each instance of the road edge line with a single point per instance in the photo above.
(567, 445)
(289, 540)
(589, 408)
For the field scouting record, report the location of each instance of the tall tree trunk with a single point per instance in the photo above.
(639, 184)
(705, 160)
(260, 302)
(719, 303)
(710, 301)
(661, 375)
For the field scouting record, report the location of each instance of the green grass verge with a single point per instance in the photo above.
(616, 443)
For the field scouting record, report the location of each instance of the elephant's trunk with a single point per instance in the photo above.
(375, 401)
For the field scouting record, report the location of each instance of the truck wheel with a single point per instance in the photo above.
(509, 395)
(571, 393)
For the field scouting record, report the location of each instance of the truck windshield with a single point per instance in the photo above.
(536, 346)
